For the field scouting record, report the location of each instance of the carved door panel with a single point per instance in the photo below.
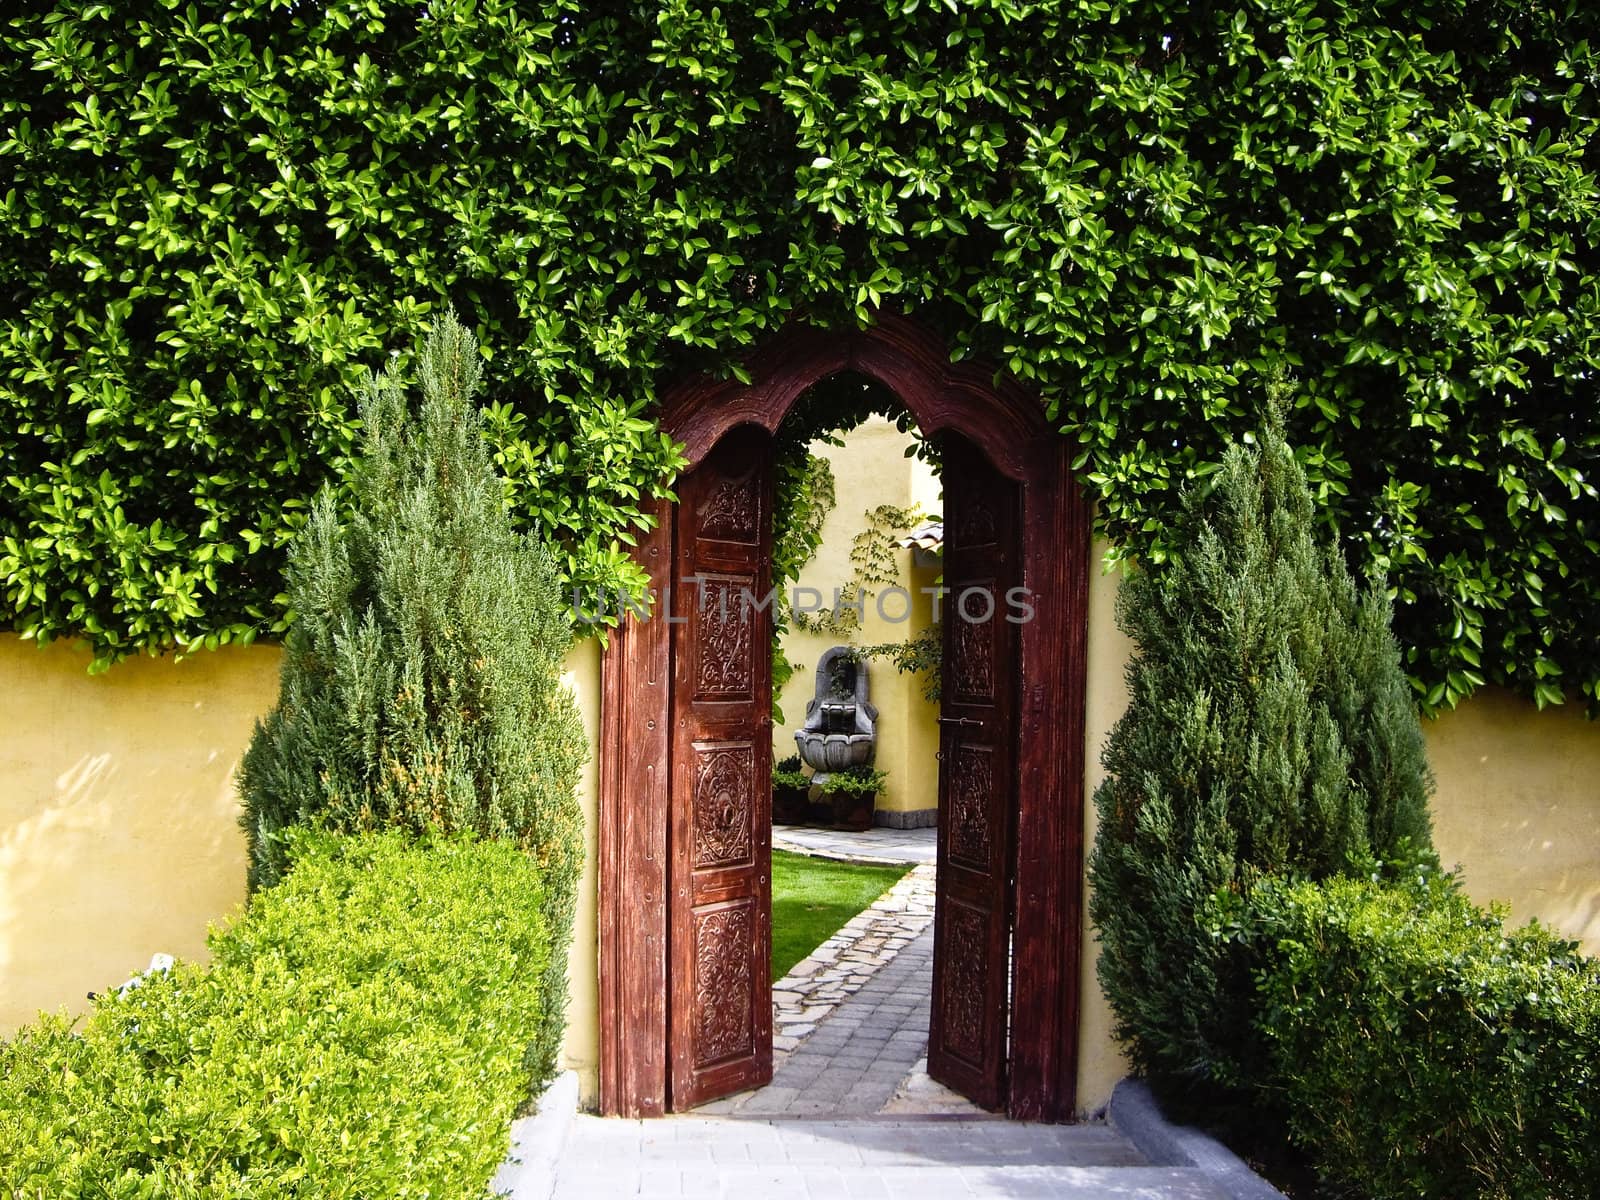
(977, 772)
(720, 832)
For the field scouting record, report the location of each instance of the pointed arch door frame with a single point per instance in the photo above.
(1008, 425)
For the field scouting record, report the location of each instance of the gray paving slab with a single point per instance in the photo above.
(887, 1159)
(878, 845)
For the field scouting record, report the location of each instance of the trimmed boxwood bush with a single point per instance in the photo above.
(1419, 1047)
(362, 1031)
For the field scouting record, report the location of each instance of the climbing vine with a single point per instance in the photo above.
(875, 561)
(217, 218)
(803, 498)
(920, 654)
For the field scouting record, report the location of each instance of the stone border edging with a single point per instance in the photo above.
(529, 1171)
(916, 818)
(1134, 1113)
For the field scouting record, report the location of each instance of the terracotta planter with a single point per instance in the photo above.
(790, 805)
(852, 811)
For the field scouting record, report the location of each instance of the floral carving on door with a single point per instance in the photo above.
(722, 985)
(971, 792)
(973, 525)
(732, 512)
(965, 982)
(719, 938)
(724, 649)
(967, 1043)
(722, 806)
(974, 659)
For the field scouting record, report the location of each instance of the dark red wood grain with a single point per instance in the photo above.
(719, 1009)
(1008, 426)
(977, 777)
(634, 699)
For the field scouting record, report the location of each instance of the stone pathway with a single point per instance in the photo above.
(861, 1054)
(871, 846)
(842, 965)
(851, 1111)
(925, 1159)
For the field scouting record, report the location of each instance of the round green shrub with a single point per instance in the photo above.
(1418, 1047)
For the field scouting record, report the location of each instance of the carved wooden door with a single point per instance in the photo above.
(720, 831)
(977, 772)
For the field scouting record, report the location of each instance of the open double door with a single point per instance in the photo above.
(719, 880)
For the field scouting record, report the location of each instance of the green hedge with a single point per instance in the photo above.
(218, 217)
(361, 1032)
(1420, 1048)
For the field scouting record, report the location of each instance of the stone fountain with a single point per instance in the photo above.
(840, 729)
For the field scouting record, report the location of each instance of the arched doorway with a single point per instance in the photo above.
(684, 1013)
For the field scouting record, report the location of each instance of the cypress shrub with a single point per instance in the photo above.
(421, 683)
(1270, 729)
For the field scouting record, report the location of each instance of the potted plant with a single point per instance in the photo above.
(790, 788)
(853, 793)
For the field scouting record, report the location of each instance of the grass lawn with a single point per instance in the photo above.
(812, 897)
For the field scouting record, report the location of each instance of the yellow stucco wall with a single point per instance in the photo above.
(118, 816)
(119, 833)
(871, 469)
(581, 1050)
(1100, 1061)
(1518, 807)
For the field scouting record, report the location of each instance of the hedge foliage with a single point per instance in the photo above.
(421, 687)
(1133, 207)
(1421, 1049)
(361, 1031)
(1269, 730)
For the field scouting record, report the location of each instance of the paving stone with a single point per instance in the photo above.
(872, 845)
(776, 1096)
(874, 1159)
(798, 1080)
(858, 1062)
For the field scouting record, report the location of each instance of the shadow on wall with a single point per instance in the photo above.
(1518, 807)
(118, 815)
